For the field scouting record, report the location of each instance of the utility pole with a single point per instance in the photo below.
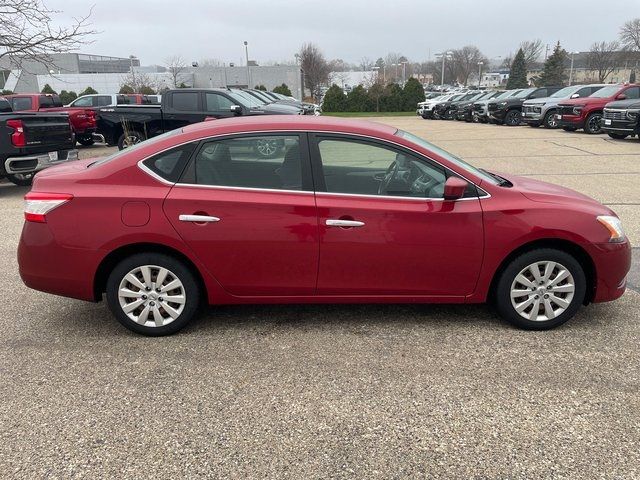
(480, 73)
(444, 55)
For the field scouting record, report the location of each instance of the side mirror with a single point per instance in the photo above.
(236, 109)
(454, 188)
(622, 96)
(575, 95)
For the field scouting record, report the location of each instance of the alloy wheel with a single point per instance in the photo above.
(542, 291)
(551, 121)
(130, 140)
(595, 124)
(151, 296)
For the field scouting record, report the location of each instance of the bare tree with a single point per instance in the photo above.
(532, 50)
(175, 66)
(465, 62)
(365, 64)
(140, 83)
(315, 68)
(28, 32)
(604, 57)
(630, 34)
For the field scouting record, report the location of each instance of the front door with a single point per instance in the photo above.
(385, 227)
(249, 217)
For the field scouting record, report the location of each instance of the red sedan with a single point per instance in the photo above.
(299, 209)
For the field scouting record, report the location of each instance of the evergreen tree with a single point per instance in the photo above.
(47, 89)
(67, 97)
(126, 89)
(334, 100)
(283, 90)
(412, 93)
(147, 90)
(358, 100)
(553, 73)
(375, 93)
(261, 87)
(518, 72)
(391, 100)
(88, 91)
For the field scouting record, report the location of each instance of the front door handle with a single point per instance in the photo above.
(198, 218)
(343, 223)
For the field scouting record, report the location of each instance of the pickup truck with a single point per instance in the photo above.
(111, 99)
(508, 111)
(83, 120)
(586, 113)
(622, 118)
(32, 141)
(126, 125)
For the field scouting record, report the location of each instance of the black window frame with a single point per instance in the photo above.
(173, 178)
(318, 173)
(308, 185)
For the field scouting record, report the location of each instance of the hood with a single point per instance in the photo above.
(585, 100)
(542, 101)
(281, 108)
(625, 104)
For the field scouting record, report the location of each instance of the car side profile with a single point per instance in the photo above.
(347, 212)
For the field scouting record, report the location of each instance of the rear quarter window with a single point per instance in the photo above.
(170, 163)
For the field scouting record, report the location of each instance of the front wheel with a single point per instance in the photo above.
(593, 123)
(550, 120)
(153, 294)
(512, 118)
(128, 139)
(618, 136)
(21, 179)
(541, 289)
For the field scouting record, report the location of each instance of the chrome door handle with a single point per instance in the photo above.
(198, 218)
(344, 223)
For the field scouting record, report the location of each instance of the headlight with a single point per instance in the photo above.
(614, 226)
(633, 114)
(577, 110)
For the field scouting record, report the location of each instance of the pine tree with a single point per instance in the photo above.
(412, 94)
(391, 100)
(126, 89)
(358, 100)
(553, 73)
(334, 100)
(518, 72)
(47, 89)
(87, 91)
(67, 97)
(283, 90)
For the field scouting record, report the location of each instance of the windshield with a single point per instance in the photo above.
(135, 147)
(566, 91)
(606, 92)
(524, 93)
(246, 100)
(450, 157)
(261, 96)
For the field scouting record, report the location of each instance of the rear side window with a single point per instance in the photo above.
(185, 101)
(21, 103)
(102, 101)
(170, 163)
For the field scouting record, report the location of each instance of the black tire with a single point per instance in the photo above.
(550, 120)
(21, 179)
(86, 141)
(177, 270)
(503, 288)
(513, 118)
(618, 136)
(593, 123)
(127, 140)
(569, 129)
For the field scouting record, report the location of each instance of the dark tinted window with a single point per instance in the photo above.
(541, 93)
(130, 99)
(584, 92)
(102, 100)
(5, 106)
(272, 162)
(48, 101)
(185, 101)
(21, 103)
(217, 102)
(633, 92)
(169, 164)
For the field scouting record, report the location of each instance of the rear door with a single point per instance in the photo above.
(250, 218)
(184, 108)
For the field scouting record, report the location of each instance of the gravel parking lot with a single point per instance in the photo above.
(335, 391)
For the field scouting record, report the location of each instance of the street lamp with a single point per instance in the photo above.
(571, 70)
(480, 63)
(444, 56)
(404, 71)
(133, 75)
(246, 52)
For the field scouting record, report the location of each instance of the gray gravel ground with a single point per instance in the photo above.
(321, 391)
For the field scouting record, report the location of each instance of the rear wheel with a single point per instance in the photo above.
(550, 120)
(153, 294)
(593, 123)
(541, 289)
(21, 179)
(129, 139)
(618, 136)
(512, 118)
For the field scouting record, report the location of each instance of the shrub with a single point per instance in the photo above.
(334, 100)
(88, 91)
(283, 90)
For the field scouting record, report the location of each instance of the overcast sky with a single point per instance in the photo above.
(347, 29)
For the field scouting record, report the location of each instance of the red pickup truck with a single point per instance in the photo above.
(587, 112)
(83, 120)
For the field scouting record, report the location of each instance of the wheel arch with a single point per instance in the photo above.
(567, 246)
(112, 259)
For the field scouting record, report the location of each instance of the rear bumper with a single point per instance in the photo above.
(39, 161)
(612, 263)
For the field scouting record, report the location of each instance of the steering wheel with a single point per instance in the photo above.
(391, 172)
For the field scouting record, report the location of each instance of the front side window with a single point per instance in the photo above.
(606, 92)
(542, 93)
(217, 102)
(185, 101)
(633, 92)
(363, 168)
(270, 162)
(83, 102)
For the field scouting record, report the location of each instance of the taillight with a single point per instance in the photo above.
(17, 137)
(38, 205)
(91, 116)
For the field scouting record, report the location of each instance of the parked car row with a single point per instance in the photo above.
(610, 108)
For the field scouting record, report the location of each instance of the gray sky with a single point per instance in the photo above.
(348, 29)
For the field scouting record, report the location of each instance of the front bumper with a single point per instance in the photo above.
(571, 121)
(620, 126)
(37, 162)
(612, 263)
(498, 114)
(532, 118)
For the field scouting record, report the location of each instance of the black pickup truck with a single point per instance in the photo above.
(130, 124)
(622, 118)
(32, 141)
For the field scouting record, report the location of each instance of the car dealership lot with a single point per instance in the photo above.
(335, 391)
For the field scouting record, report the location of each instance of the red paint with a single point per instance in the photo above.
(589, 105)
(274, 246)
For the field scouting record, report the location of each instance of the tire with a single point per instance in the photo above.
(86, 141)
(569, 129)
(618, 136)
(518, 271)
(143, 293)
(513, 118)
(550, 120)
(21, 179)
(593, 123)
(127, 140)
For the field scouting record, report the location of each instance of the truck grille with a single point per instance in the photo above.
(531, 109)
(493, 106)
(615, 114)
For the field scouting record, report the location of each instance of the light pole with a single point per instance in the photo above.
(444, 56)
(480, 63)
(404, 72)
(133, 75)
(571, 70)
(246, 52)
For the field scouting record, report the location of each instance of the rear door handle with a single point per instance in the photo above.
(343, 223)
(198, 218)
